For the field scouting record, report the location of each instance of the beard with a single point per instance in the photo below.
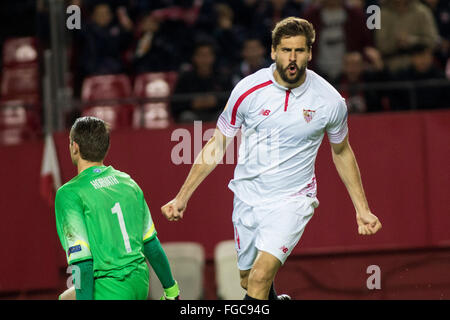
(285, 75)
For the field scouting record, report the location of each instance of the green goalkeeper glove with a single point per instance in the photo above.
(172, 293)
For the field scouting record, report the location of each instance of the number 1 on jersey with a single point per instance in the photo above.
(116, 209)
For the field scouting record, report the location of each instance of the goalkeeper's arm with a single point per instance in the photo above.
(84, 289)
(157, 258)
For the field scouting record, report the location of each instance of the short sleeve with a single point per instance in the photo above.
(337, 128)
(71, 226)
(149, 227)
(233, 115)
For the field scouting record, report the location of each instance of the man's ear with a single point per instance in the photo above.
(273, 53)
(310, 54)
(75, 148)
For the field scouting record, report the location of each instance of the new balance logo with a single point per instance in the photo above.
(284, 249)
(265, 112)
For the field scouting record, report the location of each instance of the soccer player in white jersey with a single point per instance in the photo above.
(283, 112)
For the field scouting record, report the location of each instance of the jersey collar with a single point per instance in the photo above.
(92, 170)
(298, 91)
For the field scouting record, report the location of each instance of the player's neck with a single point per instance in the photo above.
(83, 165)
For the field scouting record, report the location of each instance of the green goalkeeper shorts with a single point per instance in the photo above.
(133, 286)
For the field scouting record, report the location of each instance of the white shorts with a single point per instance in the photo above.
(274, 228)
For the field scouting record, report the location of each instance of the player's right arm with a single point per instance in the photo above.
(204, 164)
(228, 125)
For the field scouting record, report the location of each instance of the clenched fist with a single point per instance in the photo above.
(174, 209)
(368, 223)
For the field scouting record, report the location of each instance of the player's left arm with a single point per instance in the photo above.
(74, 239)
(155, 254)
(347, 167)
(83, 272)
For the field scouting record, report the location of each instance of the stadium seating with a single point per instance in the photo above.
(106, 87)
(21, 83)
(151, 116)
(227, 272)
(20, 52)
(116, 115)
(20, 74)
(153, 85)
(17, 122)
(105, 96)
(20, 107)
(187, 261)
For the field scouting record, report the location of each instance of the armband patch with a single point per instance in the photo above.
(74, 249)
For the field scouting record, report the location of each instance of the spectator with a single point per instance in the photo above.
(244, 11)
(154, 51)
(356, 72)
(253, 58)
(176, 28)
(441, 12)
(422, 96)
(217, 20)
(202, 81)
(405, 23)
(269, 13)
(103, 41)
(339, 29)
(228, 36)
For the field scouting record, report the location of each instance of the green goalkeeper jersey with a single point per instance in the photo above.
(101, 214)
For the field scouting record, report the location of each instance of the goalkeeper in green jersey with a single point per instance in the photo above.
(105, 226)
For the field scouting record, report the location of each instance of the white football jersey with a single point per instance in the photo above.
(281, 131)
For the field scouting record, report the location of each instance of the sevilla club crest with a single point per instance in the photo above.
(308, 114)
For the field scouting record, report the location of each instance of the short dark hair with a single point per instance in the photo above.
(291, 27)
(92, 136)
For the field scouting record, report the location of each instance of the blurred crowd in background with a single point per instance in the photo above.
(212, 44)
